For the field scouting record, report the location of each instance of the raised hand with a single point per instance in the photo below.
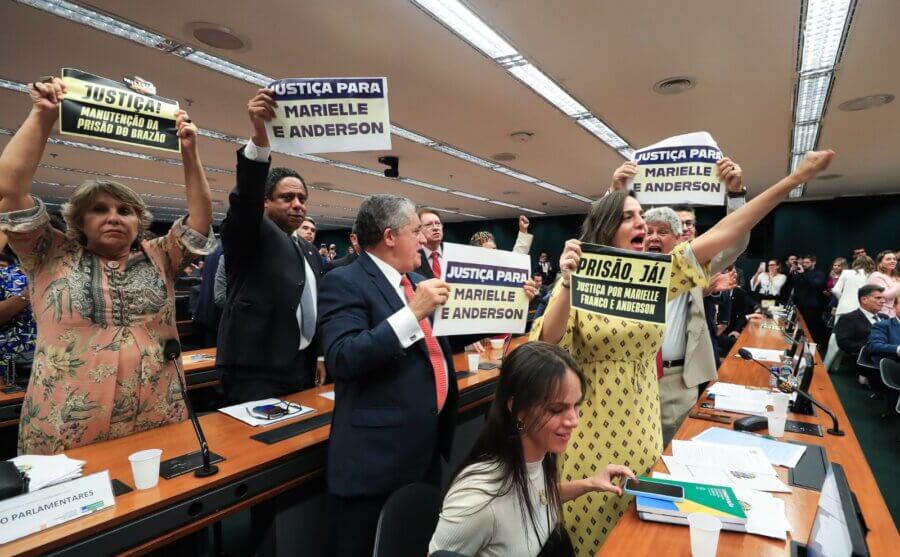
(523, 224)
(186, 130)
(429, 294)
(812, 164)
(622, 174)
(569, 260)
(47, 94)
(530, 289)
(731, 174)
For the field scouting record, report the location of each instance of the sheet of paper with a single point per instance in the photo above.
(744, 459)
(765, 514)
(721, 476)
(740, 405)
(242, 412)
(778, 452)
(329, 395)
(765, 354)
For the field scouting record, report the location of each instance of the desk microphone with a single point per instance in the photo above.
(788, 384)
(172, 351)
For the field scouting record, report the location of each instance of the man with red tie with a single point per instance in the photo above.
(431, 252)
(395, 386)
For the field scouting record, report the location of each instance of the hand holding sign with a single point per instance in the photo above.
(569, 260)
(261, 109)
(523, 224)
(187, 130)
(429, 294)
(731, 174)
(812, 164)
(622, 175)
(530, 289)
(46, 95)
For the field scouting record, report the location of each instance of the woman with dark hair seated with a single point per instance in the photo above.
(506, 498)
(103, 297)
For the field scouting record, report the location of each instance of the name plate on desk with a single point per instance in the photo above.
(42, 509)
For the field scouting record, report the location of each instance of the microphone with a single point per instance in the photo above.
(172, 351)
(788, 384)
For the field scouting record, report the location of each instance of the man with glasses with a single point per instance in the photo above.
(430, 253)
(266, 342)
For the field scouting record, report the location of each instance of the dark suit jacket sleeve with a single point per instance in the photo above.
(881, 345)
(352, 349)
(240, 231)
(849, 333)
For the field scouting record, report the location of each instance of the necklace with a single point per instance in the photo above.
(542, 494)
(112, 265)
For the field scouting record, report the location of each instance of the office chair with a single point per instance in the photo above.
(407, 521)
(890, 376)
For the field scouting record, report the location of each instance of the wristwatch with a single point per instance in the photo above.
(742, 193)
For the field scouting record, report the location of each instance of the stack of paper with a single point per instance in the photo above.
(779, 453)
(765, 514)
(243, 412)
(740, 399)
(44, 471)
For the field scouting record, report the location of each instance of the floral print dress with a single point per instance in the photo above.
(99, 371)
(18, 334)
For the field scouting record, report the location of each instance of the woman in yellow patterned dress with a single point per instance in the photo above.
(620, 414)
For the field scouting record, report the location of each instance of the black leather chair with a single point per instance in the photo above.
(407, 521)
(890, 376)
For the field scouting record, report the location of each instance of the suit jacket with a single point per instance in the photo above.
(385, 430)
(424, 267)
(808, 287)
(852, 331)
(699, 354)
(884, 340)
(346, 260)
(207, 313)
(265, 279)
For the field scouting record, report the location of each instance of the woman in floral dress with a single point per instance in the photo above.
(103, 299)
(620, 412)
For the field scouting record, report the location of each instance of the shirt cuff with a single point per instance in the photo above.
(26, 220)
(193, 241)
(735, 203)
(406, 327)
(254, 153)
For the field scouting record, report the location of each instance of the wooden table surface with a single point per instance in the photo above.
(227, 437)
(633, 536)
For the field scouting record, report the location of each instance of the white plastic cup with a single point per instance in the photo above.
(780, 402)
(704, 534)
(776, 423)
(811, 346)
(145, 468)
(497, 348)
(473, 361)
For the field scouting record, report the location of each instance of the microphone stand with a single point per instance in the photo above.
(173, 353)
(788, 387)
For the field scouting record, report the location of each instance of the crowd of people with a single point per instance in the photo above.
(590, 400)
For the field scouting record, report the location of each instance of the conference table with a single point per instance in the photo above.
(283, 482)
(634, 537)
(199, 372)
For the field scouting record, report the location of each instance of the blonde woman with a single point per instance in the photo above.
(103, 298)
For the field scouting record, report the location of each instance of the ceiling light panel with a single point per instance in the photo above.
(805, 137)
(812, 92)
(545, 87)
(823, 32)
(475, 32)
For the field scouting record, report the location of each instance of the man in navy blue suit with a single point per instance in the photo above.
(395, 387)
(884, 340)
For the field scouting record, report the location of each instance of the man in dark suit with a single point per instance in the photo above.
(852, 329)
(395, 387)
(207, 314)
(545, 267)
(350, 257)
(431, 252)
(808, 284)
(266, 342)
(884, 340)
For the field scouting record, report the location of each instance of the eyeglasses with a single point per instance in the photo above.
(290, 408)
(687, 223)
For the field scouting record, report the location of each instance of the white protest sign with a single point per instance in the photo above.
(330, 115)
(486, 291)
(680, 170)
(39, 510)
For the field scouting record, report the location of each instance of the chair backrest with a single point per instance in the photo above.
(865, 358)
(407, 521)
(890, 375)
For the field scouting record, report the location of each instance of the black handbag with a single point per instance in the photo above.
(12, 480)
(558, 544)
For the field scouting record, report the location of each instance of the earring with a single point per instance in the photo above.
(520, 425)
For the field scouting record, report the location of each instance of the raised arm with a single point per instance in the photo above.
(19, 160)
(733, 226)
(556, 315)
(199, 200)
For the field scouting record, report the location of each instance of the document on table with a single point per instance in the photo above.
(242, 411)
(765, 354)
(743, 459)
(329, 395)
(778, 452)
(738, 398)
(714, 474)
(765, 513)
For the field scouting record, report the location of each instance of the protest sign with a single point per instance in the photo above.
(102, 108)
(486, 291)
(622, 283)
(329, 115)
(680, 170)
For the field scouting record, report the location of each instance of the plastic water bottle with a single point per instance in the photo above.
(773, 379)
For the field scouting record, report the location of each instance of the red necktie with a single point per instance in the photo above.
(434, 350)
(435, 264)
(659, 365)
